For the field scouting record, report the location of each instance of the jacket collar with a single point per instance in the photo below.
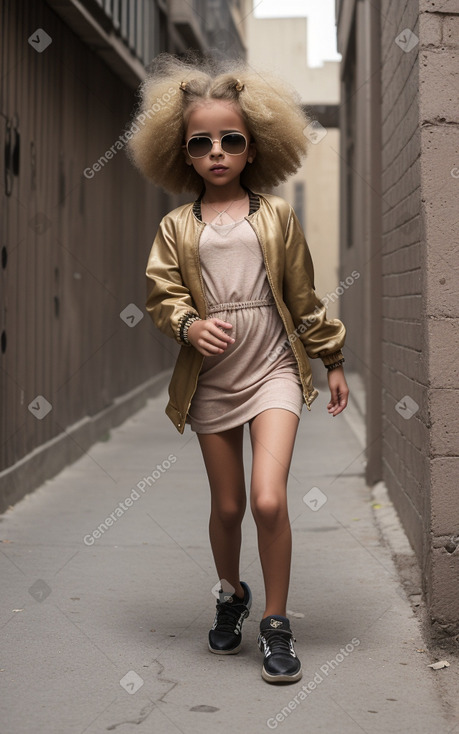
(254, 203)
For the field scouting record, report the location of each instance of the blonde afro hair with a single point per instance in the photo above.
(271, 110)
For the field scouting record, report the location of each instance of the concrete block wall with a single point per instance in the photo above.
(401, 65)
(420, 305)
(439, 134)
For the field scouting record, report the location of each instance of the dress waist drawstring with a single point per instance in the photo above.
(235, 305)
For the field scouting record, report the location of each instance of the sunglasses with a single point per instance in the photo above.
(231, 143)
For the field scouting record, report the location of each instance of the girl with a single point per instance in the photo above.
(231, 280)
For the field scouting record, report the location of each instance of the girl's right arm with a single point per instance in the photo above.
(170, 304)
(169, 301)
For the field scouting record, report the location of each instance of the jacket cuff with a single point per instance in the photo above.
(332, 358)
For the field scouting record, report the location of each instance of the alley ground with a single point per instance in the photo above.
(107, 630)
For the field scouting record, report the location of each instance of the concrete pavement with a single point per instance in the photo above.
(106, 598)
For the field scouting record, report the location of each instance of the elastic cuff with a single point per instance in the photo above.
(332, 358)
(333, 366)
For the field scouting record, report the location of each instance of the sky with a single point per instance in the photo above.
(321, 39)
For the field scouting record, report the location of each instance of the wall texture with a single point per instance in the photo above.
(405, 365)
(400, 138)
(439, 169)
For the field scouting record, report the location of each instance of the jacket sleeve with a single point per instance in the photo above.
(169, 301)
(321, 337)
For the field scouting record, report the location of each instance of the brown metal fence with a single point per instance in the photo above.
(73, 245)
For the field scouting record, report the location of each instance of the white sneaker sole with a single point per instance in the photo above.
(281, 678)
(225, 652)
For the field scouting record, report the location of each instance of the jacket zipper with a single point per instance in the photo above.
(268, 273)
(201, 281)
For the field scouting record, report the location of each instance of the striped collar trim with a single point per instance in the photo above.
(254, 203)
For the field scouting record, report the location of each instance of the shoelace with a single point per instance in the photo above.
(278, 640)
(228, 615)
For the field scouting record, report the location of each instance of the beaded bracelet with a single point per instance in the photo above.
(185, 326)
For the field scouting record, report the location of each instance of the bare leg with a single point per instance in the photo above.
(222, 453)
(273, 435)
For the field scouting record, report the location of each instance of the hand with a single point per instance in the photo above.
(208, 338)
(339, 391)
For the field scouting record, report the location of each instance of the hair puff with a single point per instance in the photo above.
(271, 109)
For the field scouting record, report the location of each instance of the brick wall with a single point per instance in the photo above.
(400, 97)
(405, 439)
(420, 305)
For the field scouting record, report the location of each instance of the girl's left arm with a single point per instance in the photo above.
(322, 337)
(339, 391)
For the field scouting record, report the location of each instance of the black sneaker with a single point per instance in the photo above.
(280, 664)
(225, 636)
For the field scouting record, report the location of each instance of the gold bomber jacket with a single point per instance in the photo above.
(176, 290)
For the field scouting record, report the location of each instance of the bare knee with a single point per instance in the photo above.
(268, 507)
(229, 513)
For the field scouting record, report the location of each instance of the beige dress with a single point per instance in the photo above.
(259, 370)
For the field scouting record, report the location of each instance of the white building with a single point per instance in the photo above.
(280, 45)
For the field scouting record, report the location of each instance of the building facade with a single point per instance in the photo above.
(280, 45)
(77, 220)
(399, 193)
